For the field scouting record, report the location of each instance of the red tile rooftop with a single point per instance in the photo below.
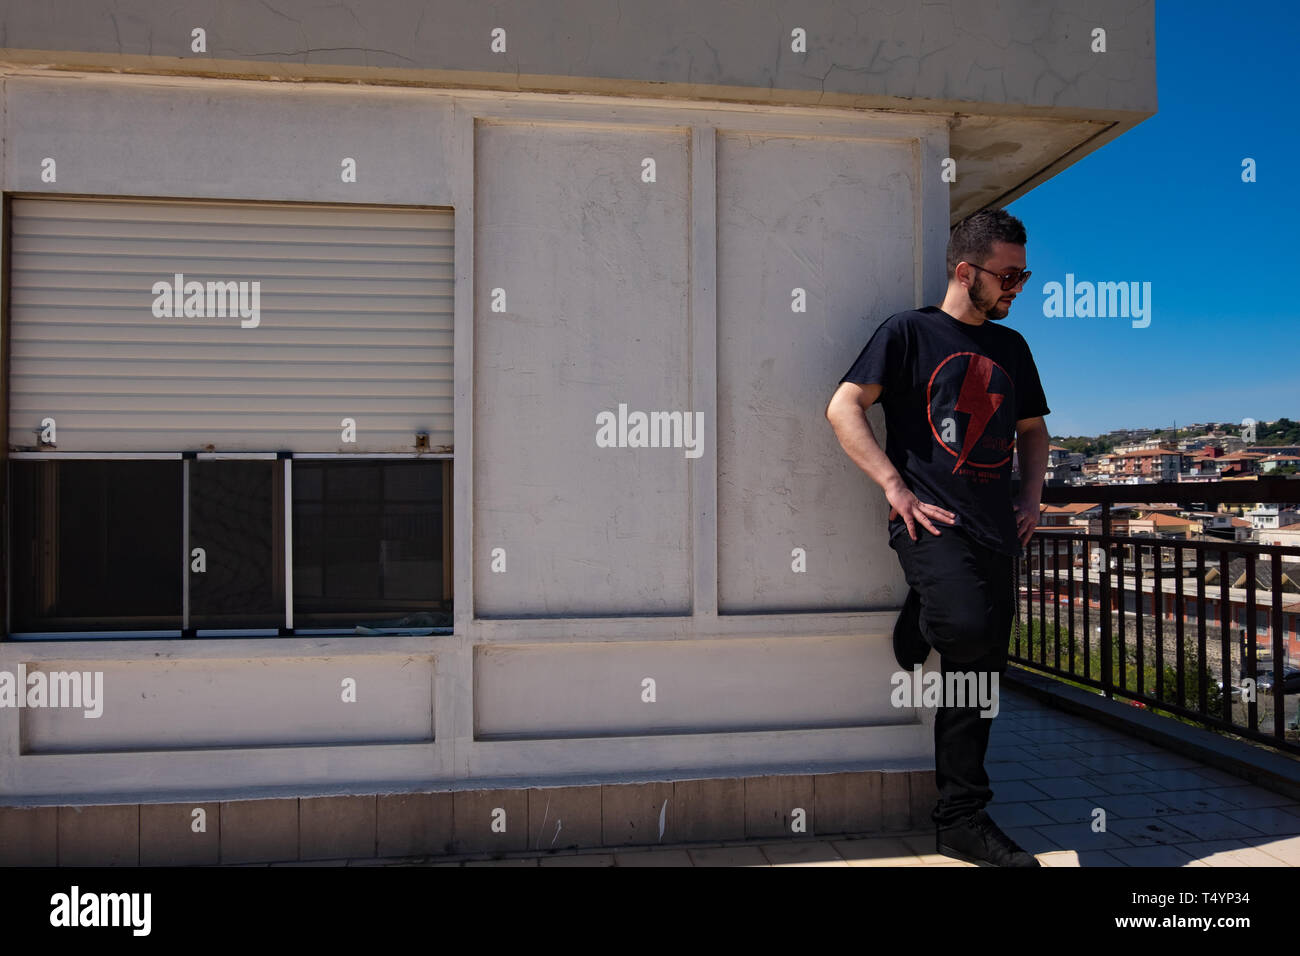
(1158, 518)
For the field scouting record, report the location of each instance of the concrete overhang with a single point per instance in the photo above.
(1002, 148)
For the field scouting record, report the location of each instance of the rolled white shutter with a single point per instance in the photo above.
(354, 321)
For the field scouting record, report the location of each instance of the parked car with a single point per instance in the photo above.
(1290, 681)
(1236, 688)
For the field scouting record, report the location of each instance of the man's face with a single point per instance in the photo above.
(986, 294)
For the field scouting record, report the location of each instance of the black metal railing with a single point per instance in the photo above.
(1211, 681)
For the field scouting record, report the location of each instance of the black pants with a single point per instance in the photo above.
(966, 592)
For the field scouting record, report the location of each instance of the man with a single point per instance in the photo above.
(959, 393)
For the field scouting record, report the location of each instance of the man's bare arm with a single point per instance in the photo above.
(1031, 453)
(1032, 443)
(847, 413)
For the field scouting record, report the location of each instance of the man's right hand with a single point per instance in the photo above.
(903, 502)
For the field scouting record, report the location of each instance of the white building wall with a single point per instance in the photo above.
(621, 564)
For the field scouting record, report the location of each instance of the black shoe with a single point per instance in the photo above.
(910, 646)
(977, 839)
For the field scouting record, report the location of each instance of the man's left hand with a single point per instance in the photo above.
(1027, 508)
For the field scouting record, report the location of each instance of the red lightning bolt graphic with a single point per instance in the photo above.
(977, 401)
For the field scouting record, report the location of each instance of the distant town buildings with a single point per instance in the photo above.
(1138, 456)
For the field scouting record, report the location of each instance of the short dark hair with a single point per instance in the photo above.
(972, 239)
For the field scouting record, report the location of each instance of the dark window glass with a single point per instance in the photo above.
(96, 545)
(236, 515)
(370, 544)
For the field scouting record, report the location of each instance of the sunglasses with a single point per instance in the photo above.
(1009, 280)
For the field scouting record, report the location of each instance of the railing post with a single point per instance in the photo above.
(1180, 606)
(1250, 637)
(1056, 602)
(1277, 641)
(1225, 636)
(1107, 677)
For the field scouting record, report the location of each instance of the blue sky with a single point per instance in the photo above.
(1164, 203)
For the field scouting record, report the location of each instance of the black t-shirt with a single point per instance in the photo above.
(952, 395)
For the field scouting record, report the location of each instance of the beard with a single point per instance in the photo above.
(988, 303)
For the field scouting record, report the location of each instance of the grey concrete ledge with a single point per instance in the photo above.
(198, 795)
